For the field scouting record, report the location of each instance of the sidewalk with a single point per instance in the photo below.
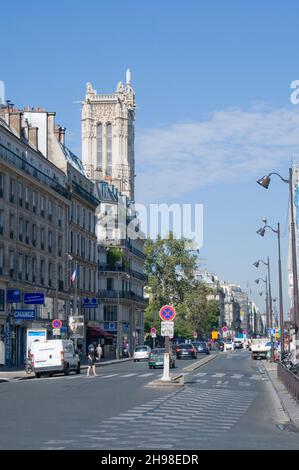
(288, 403)
(16, 373)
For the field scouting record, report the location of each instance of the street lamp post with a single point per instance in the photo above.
(264, 182)
(267, 300)
(261, 232)
(270, 315)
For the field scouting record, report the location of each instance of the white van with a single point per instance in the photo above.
(54, 356)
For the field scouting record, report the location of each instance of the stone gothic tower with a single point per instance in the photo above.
(108, 136)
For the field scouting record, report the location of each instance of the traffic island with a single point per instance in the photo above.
(200, 363)
(176, 380)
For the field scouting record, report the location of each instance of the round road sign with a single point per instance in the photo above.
(57, 323)
(224, 329)
(167, 313)
(153, 330)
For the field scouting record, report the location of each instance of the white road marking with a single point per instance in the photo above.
(237, 376)
(200, 374)
(219, 374)
(128, 375)
(108, 376)
(201, 381)
(146, 375)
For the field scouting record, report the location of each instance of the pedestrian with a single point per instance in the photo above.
(91, 360)
(99, 352)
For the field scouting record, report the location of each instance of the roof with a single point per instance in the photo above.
(73, 159)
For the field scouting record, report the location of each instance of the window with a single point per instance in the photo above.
(42, 238)
(2, 184)
(109, 149)
(26, 268)
(60, 277)
(20, 266)
(42, 272)
(59, 246)
(78, 244)
(42, 206)
(20, 190)
(11, 264)
(109, 283)
(34, 201)
(83, 247)
(50, 210)
(73, 212)
(89, 250)
(27, 231)
(60, 216)
(72, 242)
(110, 313)
(50, 274)
(34, 235)
(12, 190)
(99, 145)
(11, 225)
(33, 269)
(27, 197)
(78, 214)
(1, 259)
(50, 239)
(1, 222)
(83, 216)
(21, 229)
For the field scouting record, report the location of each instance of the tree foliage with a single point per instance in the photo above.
(171, 267)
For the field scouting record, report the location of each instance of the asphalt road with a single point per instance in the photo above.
(226, 404)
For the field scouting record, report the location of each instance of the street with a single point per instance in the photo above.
(226, 404)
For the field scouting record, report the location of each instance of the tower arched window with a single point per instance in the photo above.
(99, 145)
(109, 148)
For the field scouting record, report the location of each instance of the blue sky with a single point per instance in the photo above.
(212, 81)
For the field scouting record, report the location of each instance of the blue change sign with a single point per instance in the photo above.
(24, 314)
(34, 298)
(13, 296)
(90, 302)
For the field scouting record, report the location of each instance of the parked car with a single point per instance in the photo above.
(54, 356)
(156, 358)
(201, 347)
(141, 352)
(238, 344)
(228, 345)
(186, 350)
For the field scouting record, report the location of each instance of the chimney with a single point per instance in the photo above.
(15, 120)
(33, 136)
(62, 135)
(57, 132)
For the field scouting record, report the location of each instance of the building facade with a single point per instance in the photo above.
(108, 159)
(108, 136)
(34, 204)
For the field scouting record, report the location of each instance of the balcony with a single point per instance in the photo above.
(89, 197)
(22, 164)
(105, 294)
(124, 269)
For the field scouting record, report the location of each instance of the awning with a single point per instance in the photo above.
(97, 331)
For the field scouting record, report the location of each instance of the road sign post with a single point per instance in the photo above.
(167, 314)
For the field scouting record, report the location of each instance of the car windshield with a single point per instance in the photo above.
(140, 348)
(185, 346)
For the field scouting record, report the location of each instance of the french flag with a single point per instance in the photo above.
(74, 275)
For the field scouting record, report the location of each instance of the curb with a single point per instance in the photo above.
(201, 363)
(279, 399)
(83, 367)
(175, 381)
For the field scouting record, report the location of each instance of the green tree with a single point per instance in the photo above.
(170, 267)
